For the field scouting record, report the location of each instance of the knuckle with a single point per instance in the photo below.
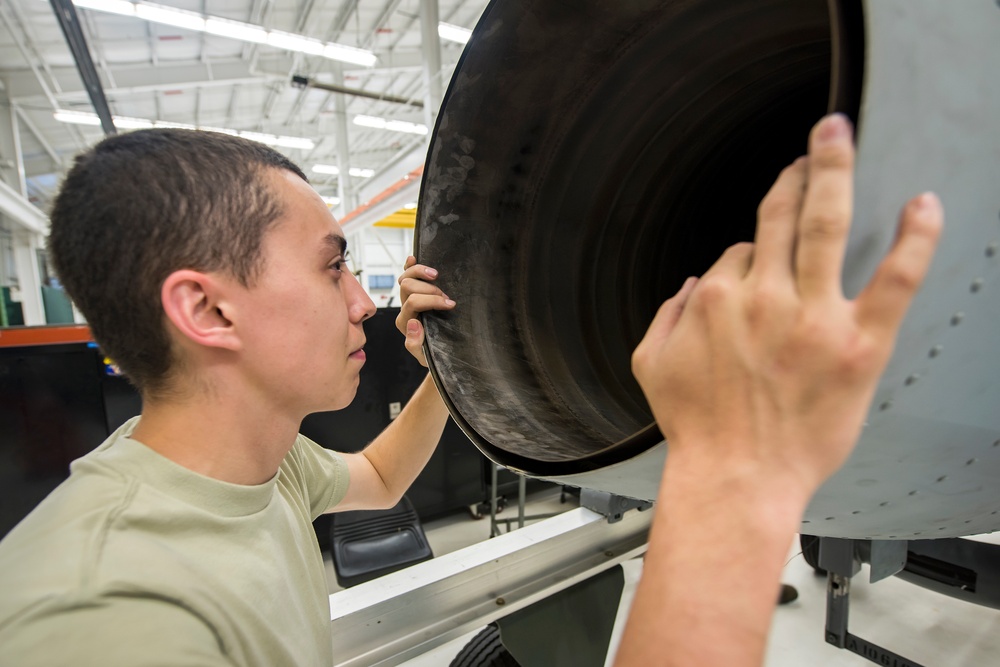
(762, 301)
(901, 278)
(776, 205)
(824, 224)
(715, 288)
(858, 359)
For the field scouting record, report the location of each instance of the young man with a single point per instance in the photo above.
(759, 375)
(211, 271)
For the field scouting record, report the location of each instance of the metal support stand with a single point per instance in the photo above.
(842, 559)
(838, 600)
(495, 522)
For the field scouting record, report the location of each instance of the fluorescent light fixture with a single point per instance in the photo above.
(403, 126)
(454, 33)
(126, 123)
(111, 6)
(246, 32)
(286, 142)
(370, 121)
(349, 54)
(394, 125)
(331, 201)
(170, 16)
(294, 142)
(77, 117)
(243, 32)
(178, 126)
(290, 42)
(332, 170)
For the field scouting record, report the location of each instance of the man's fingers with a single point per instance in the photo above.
(671, 310)
(733, 263)
(777, 218)
(417, 271)
(408, 286)
(421, 303)
(825, 219)
(884, 301)
(415, 340)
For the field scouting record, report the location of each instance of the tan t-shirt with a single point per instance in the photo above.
(135, 560)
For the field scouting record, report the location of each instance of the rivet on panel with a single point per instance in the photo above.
(885, 406)
(991, 249)
(997, 443)
(883, 504)
(942, 478)
(943, 528)
(856, 512)
(936, 350)
(976, 285)
(912, 493)
(956, 319)
(970, 462)
(911, 379)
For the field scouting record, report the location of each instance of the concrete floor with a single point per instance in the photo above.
(928, 628)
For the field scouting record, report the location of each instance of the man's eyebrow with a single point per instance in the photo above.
(336, 243)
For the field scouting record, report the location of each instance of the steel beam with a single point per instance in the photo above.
(69, 21)
(20, 210)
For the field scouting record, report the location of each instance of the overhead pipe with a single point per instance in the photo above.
(306, 82)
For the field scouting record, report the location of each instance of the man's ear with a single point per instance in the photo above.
(195, 303)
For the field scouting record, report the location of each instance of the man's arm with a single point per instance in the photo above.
(383, 471)
(760, 376)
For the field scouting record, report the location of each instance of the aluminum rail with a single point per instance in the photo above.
(397, 617)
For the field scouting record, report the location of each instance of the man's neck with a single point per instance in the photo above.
(234, 440)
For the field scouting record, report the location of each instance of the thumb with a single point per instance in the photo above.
(670, 312)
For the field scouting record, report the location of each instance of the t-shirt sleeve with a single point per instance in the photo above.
(120, 632)
(323, 473)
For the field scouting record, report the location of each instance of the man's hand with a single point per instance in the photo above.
(418, 296)
(760, 375)
(763, 365)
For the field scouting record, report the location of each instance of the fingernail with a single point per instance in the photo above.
(431, 273)
(834, 126)
(449, 302)
(412, 327)
(927, 201)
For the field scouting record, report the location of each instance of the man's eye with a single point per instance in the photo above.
(338, 266)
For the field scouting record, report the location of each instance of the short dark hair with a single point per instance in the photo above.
(137, 207)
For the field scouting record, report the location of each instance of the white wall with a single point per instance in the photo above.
(380, 251)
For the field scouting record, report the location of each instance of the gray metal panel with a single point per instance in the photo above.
(929, 455)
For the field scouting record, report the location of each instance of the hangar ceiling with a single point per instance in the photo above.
(156, 72)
